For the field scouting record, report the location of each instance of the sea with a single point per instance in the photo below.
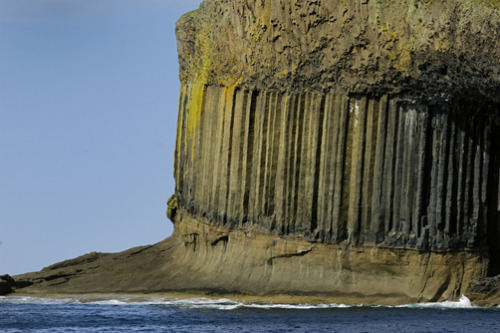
(157, 314)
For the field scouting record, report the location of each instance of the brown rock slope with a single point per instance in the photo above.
(199, 257)
(327, 147)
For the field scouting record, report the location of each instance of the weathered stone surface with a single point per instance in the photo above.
(485, 291)
(342, 148)
(435, 50)
(203, 257)
(368, 125)
(338, 169)
(7, 284)
(172, 207)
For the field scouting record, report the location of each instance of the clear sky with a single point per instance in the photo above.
(88, 110)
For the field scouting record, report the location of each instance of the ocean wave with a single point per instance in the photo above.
(37, 300)
(226, 304)
(462, 303)
(205, 303)
(192, 303)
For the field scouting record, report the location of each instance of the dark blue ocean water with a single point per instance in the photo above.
(142, 314)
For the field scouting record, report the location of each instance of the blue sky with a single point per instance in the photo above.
(88, 109)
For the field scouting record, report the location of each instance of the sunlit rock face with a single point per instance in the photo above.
(339, 149)
(362, 127)
(335, 168)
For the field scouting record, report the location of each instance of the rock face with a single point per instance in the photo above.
(332, 168)
(341, 148)
(208, 258)
(356, 127)
(485, 291)
(7, 284)
(435, 50)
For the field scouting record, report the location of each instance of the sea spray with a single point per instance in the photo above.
(217, 304)
(159, 314)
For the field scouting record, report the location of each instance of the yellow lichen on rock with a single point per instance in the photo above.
(194, 109)
(341, 148)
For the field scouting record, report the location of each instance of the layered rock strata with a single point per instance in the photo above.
(435, 50)
(332, 168)
(216, 259)
(368, 125)
(340, 148)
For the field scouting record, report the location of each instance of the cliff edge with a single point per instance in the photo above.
(365, 127)
(341, 148)
(433, 50)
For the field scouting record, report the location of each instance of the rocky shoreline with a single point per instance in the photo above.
(359, 134)
(484, 292)
(331, 149)
(186, 268)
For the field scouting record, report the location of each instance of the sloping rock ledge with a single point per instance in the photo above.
(201, 258)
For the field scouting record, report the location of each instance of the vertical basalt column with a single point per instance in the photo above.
(296, 163)
(283, 155)
(339, 222)
(326, 180)
(236, 183)
(335, 168)
(388, 172)
(377, 230)
(369, 171)
(418, 170)
(357, 145)
(248, 141)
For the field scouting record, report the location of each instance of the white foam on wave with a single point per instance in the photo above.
(297, 306)
(226, 304)
(122, 300)
(104, 300)
(36, 300)
(206, 303)
(189, 303)
(462, 303)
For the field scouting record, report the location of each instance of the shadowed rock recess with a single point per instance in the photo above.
(359, 126)
(346, 148)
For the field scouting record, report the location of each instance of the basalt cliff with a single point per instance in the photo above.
(342, 148)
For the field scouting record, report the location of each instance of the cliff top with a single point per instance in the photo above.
(430, 49)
